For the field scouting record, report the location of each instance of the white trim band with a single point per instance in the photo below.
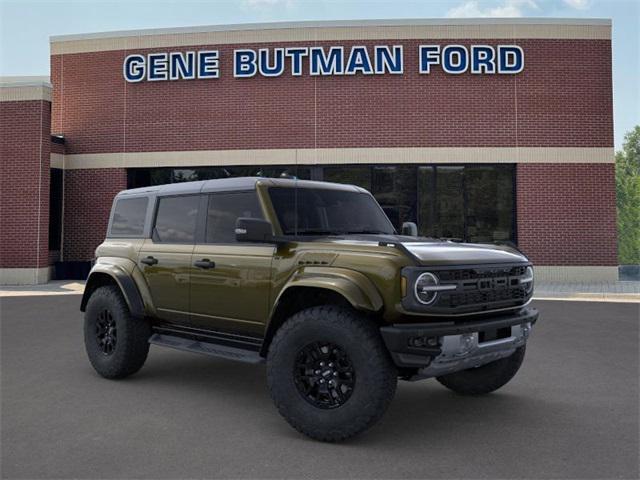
(501, 28)
(575, 274)
(337, 156)
(24, 276)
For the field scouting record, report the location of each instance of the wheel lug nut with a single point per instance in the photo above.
(322, 364)
(335, 374)
(331, 364)
(317, 372)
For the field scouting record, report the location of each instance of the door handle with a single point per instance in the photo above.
(205, 263)
(149, 260)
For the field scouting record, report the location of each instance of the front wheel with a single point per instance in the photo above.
(329, 373)
(117, 344)
(486, 378)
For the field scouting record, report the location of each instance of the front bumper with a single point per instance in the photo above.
(436, 349)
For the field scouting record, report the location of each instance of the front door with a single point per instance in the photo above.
(165, 259)
(230, 281)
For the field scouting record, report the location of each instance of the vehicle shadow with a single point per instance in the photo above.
(419, 411)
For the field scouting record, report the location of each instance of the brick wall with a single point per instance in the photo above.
(88, 198)
(562, 98)
(567, 213)
(24, 183)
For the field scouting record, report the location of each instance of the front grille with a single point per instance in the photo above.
(483, 288)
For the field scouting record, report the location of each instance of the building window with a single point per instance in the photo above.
(474, 203)
(55, 209)
(144, 177)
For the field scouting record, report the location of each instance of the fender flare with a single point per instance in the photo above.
(124, 281)
(354, 286)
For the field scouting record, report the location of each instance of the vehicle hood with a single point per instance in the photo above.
(447, 253)
(442, 252)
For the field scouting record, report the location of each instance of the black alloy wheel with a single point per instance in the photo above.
(106, 332)
(324, 375)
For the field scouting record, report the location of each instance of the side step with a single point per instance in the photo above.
(206, 348)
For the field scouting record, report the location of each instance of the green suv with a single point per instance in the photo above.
(313, 279)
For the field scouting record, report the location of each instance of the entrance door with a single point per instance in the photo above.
(230, 281)
(165, 259)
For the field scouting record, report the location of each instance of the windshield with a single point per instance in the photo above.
(315, 211)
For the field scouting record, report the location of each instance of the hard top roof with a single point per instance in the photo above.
(232, 184)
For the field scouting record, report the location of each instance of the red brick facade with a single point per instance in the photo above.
(567, 213)
(562, 98)
(24, 183)
(561, 102)
(87, 203)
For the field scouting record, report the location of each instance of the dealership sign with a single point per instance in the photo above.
(325, 61)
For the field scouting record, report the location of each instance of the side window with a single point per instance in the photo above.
(176, 219)
(128, 217)
(224, 210)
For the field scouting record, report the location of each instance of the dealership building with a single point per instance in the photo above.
(483, 130)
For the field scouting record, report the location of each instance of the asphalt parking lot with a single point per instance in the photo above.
(572, 411)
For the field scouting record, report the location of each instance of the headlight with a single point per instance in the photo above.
(527, 280)
(425, 288)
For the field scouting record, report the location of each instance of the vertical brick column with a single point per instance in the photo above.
(25, 145)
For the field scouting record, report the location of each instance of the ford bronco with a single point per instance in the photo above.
(313, 279)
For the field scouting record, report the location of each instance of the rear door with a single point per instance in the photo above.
(165, 259)
(230, 283)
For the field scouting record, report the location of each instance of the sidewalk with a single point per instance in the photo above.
(54, 287)
(587, 292)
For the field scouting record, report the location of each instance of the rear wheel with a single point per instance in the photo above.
(329, 373)
(117, 344)
(484, 379)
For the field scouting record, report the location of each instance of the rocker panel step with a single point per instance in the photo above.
(206, 348)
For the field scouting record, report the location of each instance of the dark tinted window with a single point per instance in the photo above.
(128, 217)
(323, 211)
(224, 210)
(176, 219)
(55, 209)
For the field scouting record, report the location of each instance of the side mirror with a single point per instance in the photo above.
(410, 229)
(253, 230)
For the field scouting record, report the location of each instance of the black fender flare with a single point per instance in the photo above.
(124, 282)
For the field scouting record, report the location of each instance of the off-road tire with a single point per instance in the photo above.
(375, 374)
(485, 379)
(132, 335)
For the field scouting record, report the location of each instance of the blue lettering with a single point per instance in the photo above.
(331, 64)
(510, 59)
(181, 67)
(277, 68)
(296, 55)
(388, 62)
(208, 64)
(483, 59)
(133, 68)
(455, 59)
(359, 61)
(429, 55)
(244, 63)
(158, 67)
